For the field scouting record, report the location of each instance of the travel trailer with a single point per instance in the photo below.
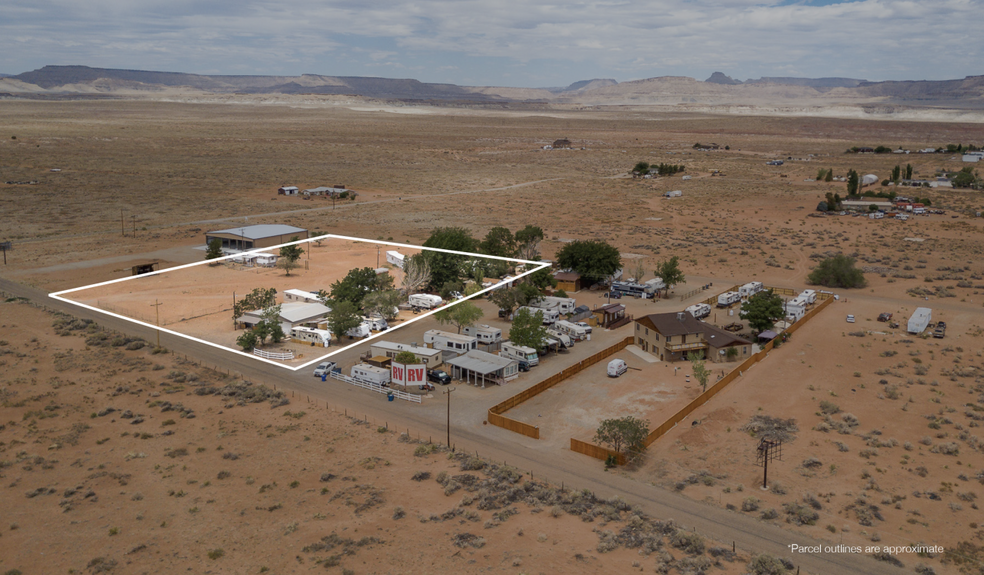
(361, 330)
(564, 305)
(576, 332)
(425, 300)
(318, 337)
(519, 353)
(699, 310)
(750, 289)
(809, 295)
(920, 320)
(445, 340)
(549, 315)
(728, 299)
(371, 374)
(396, 258)
(376, 323)
(484, 333)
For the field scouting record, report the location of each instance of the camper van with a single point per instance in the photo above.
(564, 305)
(425, 300)
(371, 374)
(520, 353)
(728, 299)
(484, 333)
(633, 289)
(617, 367)
(376, 323)
(549, 315)
(699, 310)
(318, 337)
(361, 330)
(576, 332)
(750, 289)
(809, 295)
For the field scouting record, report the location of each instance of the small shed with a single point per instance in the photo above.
(287, 190)
(570, 281)
(144, 268)
(608, 314)
(562, 143)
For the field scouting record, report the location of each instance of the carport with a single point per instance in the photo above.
(479, 367)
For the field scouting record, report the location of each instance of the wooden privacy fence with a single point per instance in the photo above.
(602, 453)
(495, 416)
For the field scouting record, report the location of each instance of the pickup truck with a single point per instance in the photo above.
(885, 317)
(940, 330)
(324, 368)
(438, 376)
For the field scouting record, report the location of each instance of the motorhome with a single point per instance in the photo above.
(484, 333)
(425, 300)
(576, 332)
(371, 374)
(564, 305)
(317, 337)
(699, 310)
(361, 330)
(617, 367)
(445, 340)
(750, 289)
(728, 299)
(520, 353)
(809, 295)
(549, 315)
(634, 289)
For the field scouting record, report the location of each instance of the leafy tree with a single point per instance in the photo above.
(625, 435)
(528, 329)
(289, 255)
(269, 325)
(965, 178)
(382, 302)
(641, 168)
(247, 340)
(358, 283)
(506, 298)
(852, 183)
(560, 293)
(821, 174)
(342, 317)
(528, 294)
(542, 279)
(697, 367)
(908, 171)
(214, 249)
(883, 150)
(762, 310)
(837, 272)
(640, 271)
(873, 208)
(259, 298)
(449, 288)
(447, 267)
(416, 273)
(822, 206)
(460, 315)
(896, 173)
(406, 358)
(593, 259)
(830, 176)
(499, 242)
(528, 242)
(669, 271)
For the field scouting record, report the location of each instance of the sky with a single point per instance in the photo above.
(522, 43)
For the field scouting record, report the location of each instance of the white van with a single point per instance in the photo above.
(617, 367)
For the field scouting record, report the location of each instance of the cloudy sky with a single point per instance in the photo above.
(530, 43)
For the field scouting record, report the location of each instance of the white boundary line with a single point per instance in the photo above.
(59, 295)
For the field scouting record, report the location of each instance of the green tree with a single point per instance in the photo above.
(542, 279)
(697, 367)
(593, 259)
(671, 274)
(383, 303)
(642, 168)
(560, 293)
(499, 242)
(342, 317)
(247, 340)
(837, 272)
(528, 329)
(259, 298)
(965, 178)
(528, 294)
(406, 358)
(873, 208)
(269, 325)
(896, 173)
(908, 171)
(762, 310)
(625, 435)
(460, 315)
(447, 267)
(214, 249)
(506, 298)
(830, 176)
(449, 288)
(821, 174)
(289, 256)
(852, 183)
(359, 283)
(528, 243)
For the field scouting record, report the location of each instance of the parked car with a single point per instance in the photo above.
(438, 376)
(850, 318)
(587, 328)
(885, 317)
(324, 368)
(504, 313)
(613, 295)
(524, 365)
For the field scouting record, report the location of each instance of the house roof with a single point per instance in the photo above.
(567, 276)
(449, 335)
(295, 312)
(681, 323)
(610, 308)
(480, 362)
(414, 349)
(320, 190)
(260, 231)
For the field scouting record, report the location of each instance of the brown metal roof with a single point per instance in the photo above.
(567, 276)
(672, 324)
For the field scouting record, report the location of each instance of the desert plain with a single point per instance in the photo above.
(883, 427)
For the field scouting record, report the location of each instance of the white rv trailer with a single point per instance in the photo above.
(361, 330)
(699, 310)
(796, 308)
(728, 299)
(564, 339)
(371, 374)
(655, 284)
(809, 295)
(301, 296)
(576, 332)
(520, 352)
(563, 305)
(376, 323)
(484, 333)
(549, 315)
(445, 340)
(426, 300)
(396, 258)
(920, 320)
(750, 289)
(302, 334)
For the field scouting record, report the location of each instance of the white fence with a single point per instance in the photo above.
(273, 355)
(377, 388)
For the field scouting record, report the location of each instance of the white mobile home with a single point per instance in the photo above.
(484, 333)
(564, 305)
(549, 315)
(425, 355)
(699, 310)
(920, 320)
(298, 295)
(371, 374)
(809, 295)
(673, 194)
(425, 300)
(376, 323)
(750, 289)
(728, 299)
(447, 341)
(520, 352)
(266, 260)
(396, 258)
(576, 332)
(317, 337)
(655, 284)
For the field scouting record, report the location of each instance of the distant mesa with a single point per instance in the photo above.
(590, 85)
(810, 82)
(720, 78)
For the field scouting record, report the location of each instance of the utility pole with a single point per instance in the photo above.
(377, 257)
(767, 450)
(157, 306)
(122, 224)
(134, 226)
(448, 392)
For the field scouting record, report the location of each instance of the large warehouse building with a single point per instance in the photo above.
(255, 237)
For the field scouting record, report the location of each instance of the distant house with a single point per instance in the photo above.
(319, 191)
(254, 237)
(430, 357)
(671, 336)
(866, 150)
(287, 190)
(291, 315)
(570, 282)
(562, 143)
(297, 295)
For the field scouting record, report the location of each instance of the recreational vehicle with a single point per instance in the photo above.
(655, 284)
(920, 320)
(564, 305)
(699, 310)
(796, 308)
(576, 332)
(564, 339)
(445, 340)
(425, 300)
(728, 299)
(301, 296)
(750, 289)
(376, 323)
(549, 315)
(396, 258)
(310, 335)
(634, 289)
(361, 330)
(809, 295)
(371, 374)
(484, 333)
(520, 353)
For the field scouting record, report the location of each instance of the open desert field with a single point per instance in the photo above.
(885, 439)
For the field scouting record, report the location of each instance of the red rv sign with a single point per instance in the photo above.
(409, 374)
